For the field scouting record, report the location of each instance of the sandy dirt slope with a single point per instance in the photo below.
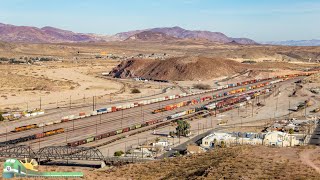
(53, 85)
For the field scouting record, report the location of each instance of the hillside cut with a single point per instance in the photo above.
(178, 68)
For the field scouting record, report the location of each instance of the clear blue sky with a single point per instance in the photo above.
(261, 20)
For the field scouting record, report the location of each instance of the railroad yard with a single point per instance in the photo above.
(162, 90)
(104, 124)
(125, 126)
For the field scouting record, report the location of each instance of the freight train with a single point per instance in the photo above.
(221, 106)
(169, 107)
(34, 136)
(215, 96)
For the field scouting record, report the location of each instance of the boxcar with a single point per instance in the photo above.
(105, 135)
(119, 131)
(90, 139)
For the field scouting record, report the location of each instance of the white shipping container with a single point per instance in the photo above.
(71, 117)
(41, 124)
(109, 109)
(93, 113)
(49, 123)
(41, 112)
(131, 105)
(57, 121)
(17, 115)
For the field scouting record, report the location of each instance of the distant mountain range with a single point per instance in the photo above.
(180, 33)
(313, 42)
(12, 33)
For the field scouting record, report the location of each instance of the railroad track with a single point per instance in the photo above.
(81, 127)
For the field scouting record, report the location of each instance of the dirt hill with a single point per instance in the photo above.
(234, 163)
(180, 68)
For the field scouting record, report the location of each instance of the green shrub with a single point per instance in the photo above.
(118, 153)
(1, 117)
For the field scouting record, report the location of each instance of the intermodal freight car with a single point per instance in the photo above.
(35, 136)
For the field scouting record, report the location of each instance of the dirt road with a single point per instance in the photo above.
(306, 158)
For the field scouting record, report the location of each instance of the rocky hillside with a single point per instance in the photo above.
(180, 68)
(181, 33)
(312, 42)
(150, 36)
(11, 33)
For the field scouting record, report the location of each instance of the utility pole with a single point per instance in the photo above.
(40, 102)
(289, 110)
(93, 103)
(97, 126)
(121, 118)
(252, 108)
(70, 103)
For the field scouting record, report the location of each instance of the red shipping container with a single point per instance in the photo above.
(125, 130)
(65, 120)
(105, 135)
(112, 133)
(113, 109)
(82, 114)
(98, 137)
(39, 135)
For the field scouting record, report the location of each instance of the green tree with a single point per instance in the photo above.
(1, 117)
(177, 153)
(215, 142)
(222, 144)
(183, 128)
(291, 131)
(118, 153)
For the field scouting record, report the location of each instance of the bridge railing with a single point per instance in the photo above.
(62, 153)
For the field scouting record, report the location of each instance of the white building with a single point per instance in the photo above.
(142, 152)
(280, 139)
(161, 143)
(208, 141)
